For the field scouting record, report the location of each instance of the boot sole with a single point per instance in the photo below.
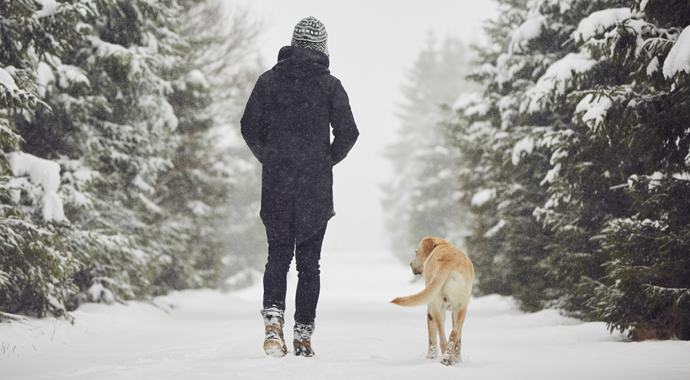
(274, 348)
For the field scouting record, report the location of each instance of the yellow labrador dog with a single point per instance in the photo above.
(448, 274)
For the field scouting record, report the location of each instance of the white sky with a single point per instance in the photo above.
(372, 45)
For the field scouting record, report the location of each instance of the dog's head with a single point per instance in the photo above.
(423, 251)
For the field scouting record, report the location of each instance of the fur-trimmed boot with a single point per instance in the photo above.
(302, 341)
(274, 343)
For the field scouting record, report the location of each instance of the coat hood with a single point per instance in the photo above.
(297, 62)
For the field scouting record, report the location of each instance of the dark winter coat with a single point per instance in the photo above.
(287, 125)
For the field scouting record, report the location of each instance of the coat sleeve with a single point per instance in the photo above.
(254, 120)
(345, 131)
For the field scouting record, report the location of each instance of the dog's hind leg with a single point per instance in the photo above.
(440, 323)
(436, 318)
(431, 321)
(458, 343)
(452, 351)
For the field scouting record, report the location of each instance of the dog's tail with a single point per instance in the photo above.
(430, 292)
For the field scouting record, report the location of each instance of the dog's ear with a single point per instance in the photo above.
(428, 245)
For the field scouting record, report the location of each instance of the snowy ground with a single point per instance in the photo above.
(209, 335)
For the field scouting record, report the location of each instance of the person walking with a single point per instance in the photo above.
(287, 124)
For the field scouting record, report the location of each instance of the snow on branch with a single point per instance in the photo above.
(49, 8)
(4, 280)
(598, 22)
(527, 31)
(7, 80)
(526, 145)
(677, 296)
(483, 196)
(595, 109)
(43, 173)
(11, 96)
(472, 104)
(556, 77)
(563, 5)
(70, 75)
(492, 232)
(678, 59)
(52, 8)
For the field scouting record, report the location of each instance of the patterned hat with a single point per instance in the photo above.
(310, 34)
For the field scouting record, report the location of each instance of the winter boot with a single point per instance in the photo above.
(274, 343)
(302, 341)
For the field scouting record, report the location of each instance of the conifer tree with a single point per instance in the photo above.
(112, 130)
(502, 160)
(36, 270)
(231, 58)
(421, 196)
(130, 117)
(199, 186)
(642, 118)
(628, 126)
(592, 100)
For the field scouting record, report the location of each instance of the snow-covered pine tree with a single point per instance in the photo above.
(190, 189)
(469, 133)
(112, 131)
(573, 255)
(36, 271)
(228, 54)
(500, 135)
(421, 198)
(142, 186)
(638, 124)
(618, 148)
(198, 187)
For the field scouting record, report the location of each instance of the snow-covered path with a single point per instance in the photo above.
(209, 335)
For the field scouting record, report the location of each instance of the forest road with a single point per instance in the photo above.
(206, 334)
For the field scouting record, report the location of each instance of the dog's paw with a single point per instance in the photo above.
(433, 353)
(447, 360)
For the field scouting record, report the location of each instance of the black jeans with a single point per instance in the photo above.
(307, 254)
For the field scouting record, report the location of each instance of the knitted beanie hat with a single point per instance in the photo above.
(310, 34)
